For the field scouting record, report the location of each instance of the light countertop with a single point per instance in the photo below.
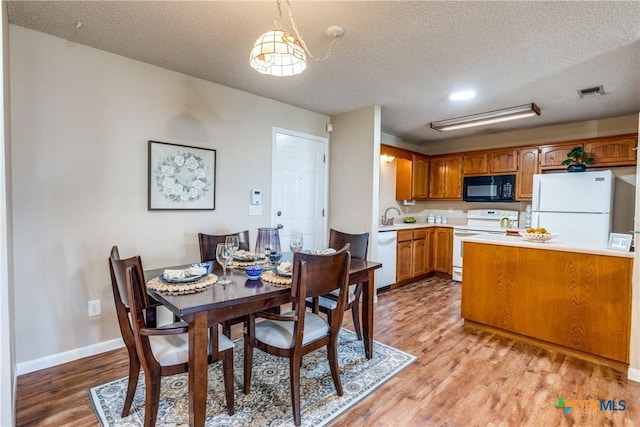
(409, 226)
(552, 245)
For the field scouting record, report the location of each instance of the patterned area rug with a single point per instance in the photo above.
(269, 403)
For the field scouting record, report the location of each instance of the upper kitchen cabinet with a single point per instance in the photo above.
(412, 173)
(503, 161)
(528, 160)
(475, 163)
(494, 162)
(412, 178)
(445, 177)
(420, 178)
(619, 150)
(404, 172)
(551, 156)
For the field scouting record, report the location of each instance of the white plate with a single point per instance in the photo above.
(244, 256)
(283, 273)
(184, 280)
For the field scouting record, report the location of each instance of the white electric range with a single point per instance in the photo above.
(480, 221)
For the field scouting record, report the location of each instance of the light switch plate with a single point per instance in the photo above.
(255, 210)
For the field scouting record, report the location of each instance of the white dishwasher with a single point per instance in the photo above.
(386, 275)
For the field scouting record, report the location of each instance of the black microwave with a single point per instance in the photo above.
(495, 188)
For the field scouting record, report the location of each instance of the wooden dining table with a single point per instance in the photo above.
(218, 303)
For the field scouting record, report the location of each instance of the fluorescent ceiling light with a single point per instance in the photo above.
(490, 117)
(462, 95)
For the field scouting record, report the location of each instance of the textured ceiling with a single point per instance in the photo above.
(406, 56)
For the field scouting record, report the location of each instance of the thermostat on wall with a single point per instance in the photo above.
(256, 197)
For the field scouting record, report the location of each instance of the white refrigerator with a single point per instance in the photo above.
(576, 206)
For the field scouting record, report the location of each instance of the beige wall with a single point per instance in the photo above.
(353, 172)
(81, 119)
(7, 352)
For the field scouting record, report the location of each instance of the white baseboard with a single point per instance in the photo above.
(633, 374)
(68, 356)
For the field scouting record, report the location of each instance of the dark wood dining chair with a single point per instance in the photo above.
(165, 351)
(327, 303)
(300, 332)
(118, 267)
(208, 243)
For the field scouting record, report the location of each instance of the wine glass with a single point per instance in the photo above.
(275, 255)
(234, 243)
(295, 244)
(224, 257)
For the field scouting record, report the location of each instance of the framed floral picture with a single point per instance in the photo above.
(181, 177)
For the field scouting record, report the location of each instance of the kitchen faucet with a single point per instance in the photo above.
(389, 221)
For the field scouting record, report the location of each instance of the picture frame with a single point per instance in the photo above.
(181, 177)
(620, 242)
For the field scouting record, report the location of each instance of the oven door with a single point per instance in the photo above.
(456, 259)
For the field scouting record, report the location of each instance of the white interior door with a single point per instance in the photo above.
(298, 197)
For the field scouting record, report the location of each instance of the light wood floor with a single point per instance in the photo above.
(461, 378)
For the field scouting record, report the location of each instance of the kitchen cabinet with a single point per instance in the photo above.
(616, 150)
(577, 303)
(412, 254)
(429, 250)
(419, 252)
(442, 249)
(475, 163)
(551, 156)
(503, 161)
(420, 177)
(528, 162)
(619, 150)
(423, 251)
(404, 172)
(492, 162)
(445, 177)
(412, 177)
(404, 257)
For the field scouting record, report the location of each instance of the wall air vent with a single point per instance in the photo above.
(591, 91)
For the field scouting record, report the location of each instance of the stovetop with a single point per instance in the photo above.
(489, 219)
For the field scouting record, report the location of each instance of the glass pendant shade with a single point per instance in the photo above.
(278, 53)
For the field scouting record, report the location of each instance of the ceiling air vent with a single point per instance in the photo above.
(591, 91)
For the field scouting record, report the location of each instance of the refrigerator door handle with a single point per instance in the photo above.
(537, 189)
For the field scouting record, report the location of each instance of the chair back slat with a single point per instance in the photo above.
(208, 243)
(136, 293)
(359, 243)
(118, 269)
(321, 274)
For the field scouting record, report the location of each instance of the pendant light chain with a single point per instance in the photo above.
(304, 45)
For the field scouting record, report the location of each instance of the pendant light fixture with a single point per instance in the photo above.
(282, 53)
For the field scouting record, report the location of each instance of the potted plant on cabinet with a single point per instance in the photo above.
(577, 160)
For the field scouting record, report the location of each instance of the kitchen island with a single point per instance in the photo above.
(557, 295)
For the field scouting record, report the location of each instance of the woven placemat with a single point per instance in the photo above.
(180, 289)
(274, 279)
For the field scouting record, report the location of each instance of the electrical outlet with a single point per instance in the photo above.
(94, 308)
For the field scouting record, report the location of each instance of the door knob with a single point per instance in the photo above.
(279, 226)
(279, 213)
